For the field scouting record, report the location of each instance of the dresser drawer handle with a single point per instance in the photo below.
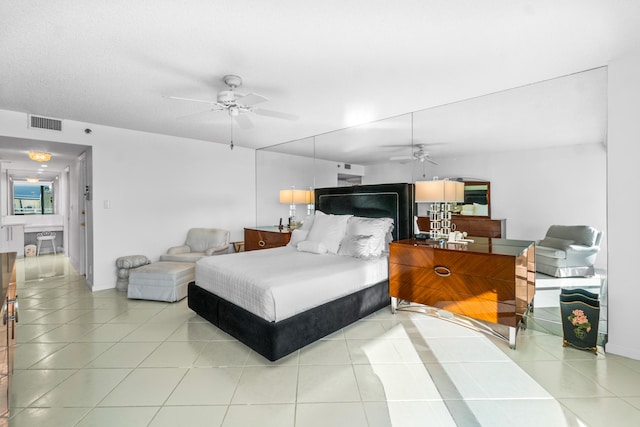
(261, 243)
(441, 271)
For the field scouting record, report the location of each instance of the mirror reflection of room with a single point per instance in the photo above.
(493, 141)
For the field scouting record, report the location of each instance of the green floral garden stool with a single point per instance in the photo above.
(580, 312)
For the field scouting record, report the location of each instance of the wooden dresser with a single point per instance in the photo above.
(492, 280)
(265, 238)
(474, 225)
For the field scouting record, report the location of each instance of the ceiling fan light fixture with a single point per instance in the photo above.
(232, 80)
(226, 97)
(237, 105)
(39, 156)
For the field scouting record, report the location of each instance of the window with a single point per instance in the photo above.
(32, 198)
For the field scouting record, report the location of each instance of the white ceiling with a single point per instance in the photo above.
(14, 157)
(332, 63)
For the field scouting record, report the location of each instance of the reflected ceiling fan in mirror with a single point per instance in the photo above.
(237, 104)
(419, 154)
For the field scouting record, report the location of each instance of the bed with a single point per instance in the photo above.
(293, 315)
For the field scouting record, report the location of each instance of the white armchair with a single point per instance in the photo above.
(200, 242)
(568, 251)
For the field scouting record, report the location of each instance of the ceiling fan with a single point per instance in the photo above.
(419, 154)
(237, 105)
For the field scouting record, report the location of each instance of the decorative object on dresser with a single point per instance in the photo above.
(490, 280)
(441, 194)
(265, 237)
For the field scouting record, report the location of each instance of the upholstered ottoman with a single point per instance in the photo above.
(125, 264)
(161, 281)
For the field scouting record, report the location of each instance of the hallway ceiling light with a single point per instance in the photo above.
(39, 156)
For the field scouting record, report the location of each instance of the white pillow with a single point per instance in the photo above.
(329, 230)
(479, 209)
(307, 222)
(467, 210)
(297, 236)
(378, 228)
(357, 246)
(311, 246)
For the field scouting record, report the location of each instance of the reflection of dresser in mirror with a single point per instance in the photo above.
(474, 225)
(477, 199)
(474, 214)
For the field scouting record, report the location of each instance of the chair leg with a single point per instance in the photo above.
(53, 243)
(38, 251)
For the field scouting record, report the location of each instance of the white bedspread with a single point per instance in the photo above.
(281, 282)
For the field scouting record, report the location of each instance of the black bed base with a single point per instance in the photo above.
(274, 340)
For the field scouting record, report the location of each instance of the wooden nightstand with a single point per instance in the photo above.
(265, 238)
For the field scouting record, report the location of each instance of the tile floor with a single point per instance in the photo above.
(99, 359)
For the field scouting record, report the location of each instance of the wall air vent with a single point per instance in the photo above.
(47, 123)
(347, 166)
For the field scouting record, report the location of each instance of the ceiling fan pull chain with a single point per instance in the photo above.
(231, 123)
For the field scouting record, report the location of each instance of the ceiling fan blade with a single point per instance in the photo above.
(197, 114)
(251, 99)
(275, 114)
(179, 98)
(430, 161)
(401, 158)
(243, 121)
(394, 146)
(416, 145)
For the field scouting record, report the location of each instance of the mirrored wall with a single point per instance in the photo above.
(542, 148)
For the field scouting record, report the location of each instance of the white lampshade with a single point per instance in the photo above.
(293, 197)
(439, 191)
(310, 196)
(459, 191)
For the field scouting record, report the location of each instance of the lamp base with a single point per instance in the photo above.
(440, 221)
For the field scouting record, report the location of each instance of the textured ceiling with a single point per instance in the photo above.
(332, 63)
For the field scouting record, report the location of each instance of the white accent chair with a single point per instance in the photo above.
(46, 236)
(200, 242)
(568, 251)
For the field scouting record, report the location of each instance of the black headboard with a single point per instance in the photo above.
(372, 201)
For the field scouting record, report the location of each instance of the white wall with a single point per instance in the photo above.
(158, 187)
(277, 171)
(624, 205)
(530, 189)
